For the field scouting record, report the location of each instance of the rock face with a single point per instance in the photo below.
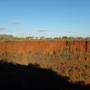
(67, 57)
(46, 46)
(78, 48)
(67, 48)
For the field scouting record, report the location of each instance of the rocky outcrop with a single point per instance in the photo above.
(46, 46)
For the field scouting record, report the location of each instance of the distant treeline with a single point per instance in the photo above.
(5, 37)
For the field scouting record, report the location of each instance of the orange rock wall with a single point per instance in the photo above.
(45, 46)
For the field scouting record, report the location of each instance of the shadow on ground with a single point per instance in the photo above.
(34, 77)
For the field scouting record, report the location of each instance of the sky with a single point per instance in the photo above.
(45, 17)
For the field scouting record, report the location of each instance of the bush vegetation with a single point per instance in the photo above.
(5, 37)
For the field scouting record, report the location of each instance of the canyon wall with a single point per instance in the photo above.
(46, 46)
(69, 58)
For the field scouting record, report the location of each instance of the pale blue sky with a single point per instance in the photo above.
(45, 17)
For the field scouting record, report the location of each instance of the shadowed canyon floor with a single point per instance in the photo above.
(14, 76)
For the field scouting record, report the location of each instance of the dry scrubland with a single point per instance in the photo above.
(69, 58)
